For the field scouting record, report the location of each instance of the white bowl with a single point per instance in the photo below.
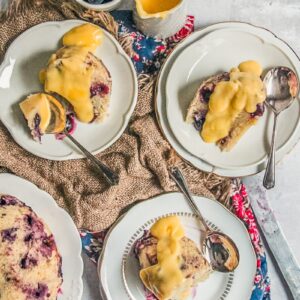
(113, 4)
(162, 27)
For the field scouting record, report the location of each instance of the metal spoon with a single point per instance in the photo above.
(111, 177)
(223, 253)
(282, 86)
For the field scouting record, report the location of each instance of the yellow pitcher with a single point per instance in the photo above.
(160, 18)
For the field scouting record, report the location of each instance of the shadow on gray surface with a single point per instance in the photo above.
(90, 280)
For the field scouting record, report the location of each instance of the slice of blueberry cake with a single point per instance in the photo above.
(240, 86)
(195, 268)
(30, 265)
(82, 79)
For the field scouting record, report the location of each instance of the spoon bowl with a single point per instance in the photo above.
(282, 87)
(223, 253)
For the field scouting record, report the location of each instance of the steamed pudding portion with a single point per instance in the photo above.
(76, 82)
(171, 264)
(228, 104)
(77, 75)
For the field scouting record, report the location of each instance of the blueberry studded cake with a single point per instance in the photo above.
(76, 82)
(228, 104)
(30, 265)
(171, 264)
(76, 74)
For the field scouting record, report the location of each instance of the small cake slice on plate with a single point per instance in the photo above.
(228, 104)
(44, 114)
(80, 77)
(171, 264)
(30, 265)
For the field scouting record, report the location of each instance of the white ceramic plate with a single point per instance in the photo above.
(19, 77)
(118, 268)
(216, 52)
(160, 106)
(61, 225)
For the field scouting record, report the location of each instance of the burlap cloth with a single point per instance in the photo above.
(141, 156)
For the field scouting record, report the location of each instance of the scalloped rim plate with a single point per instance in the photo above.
(61, 225)
(201, 59)
(27, 54)
(160, 108)
(118, 269)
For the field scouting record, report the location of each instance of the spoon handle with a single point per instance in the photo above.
(269, 178)
(179, 179)
(111, 177)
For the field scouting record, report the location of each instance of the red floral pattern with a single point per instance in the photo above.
(242, 208)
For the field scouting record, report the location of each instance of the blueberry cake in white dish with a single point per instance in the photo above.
(226, 105)
(30, 265)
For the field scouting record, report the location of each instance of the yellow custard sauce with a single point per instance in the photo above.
(155, 8)
(242, 92)
(86, 35)
(166, 275)
(67, 73)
